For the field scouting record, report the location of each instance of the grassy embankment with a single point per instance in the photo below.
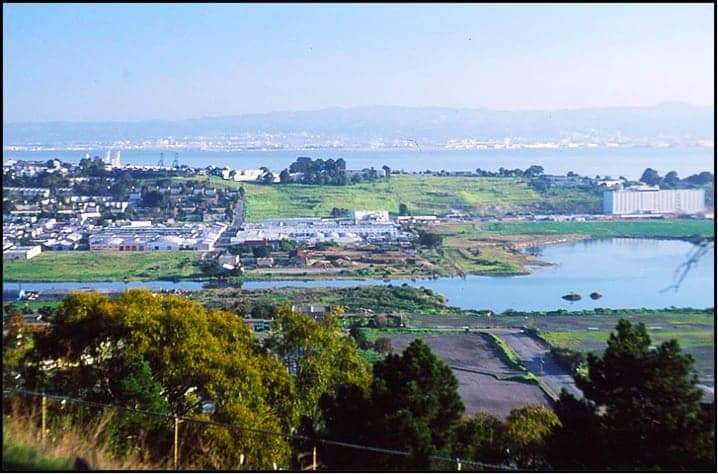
(465, 251)
(422, 194)
(664, 228)
(511, 358)
(103, 266)
(588, 331)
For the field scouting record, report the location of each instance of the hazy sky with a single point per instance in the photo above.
(133, 62)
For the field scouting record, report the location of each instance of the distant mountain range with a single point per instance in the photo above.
(676, 122)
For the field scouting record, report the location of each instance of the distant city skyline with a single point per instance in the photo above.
(162, 61)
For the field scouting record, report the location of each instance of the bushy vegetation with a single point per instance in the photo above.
(641, 410)
(326, 172)
(379, 299)
(169, 355)
(672, 181)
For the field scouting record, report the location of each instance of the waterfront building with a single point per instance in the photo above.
(651, 200)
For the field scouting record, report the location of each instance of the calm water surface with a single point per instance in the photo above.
(628, 162)
(629, 273)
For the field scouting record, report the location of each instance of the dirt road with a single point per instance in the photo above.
(536, 357)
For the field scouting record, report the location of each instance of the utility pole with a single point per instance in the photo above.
(175, 454)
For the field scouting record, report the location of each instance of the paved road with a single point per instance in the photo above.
(231, 231)
(238, 219)
(537, 358)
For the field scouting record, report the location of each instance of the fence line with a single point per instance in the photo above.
(459, 463)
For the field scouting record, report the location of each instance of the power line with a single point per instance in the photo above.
(254, 430)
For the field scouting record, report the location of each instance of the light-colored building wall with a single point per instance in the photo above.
(22, 253)
(673, 201)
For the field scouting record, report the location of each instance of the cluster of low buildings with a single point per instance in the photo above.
(364, 227)
(64, 203)
(22, 168)
(47, 233)
(145, 236)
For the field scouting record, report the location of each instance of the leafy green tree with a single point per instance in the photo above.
(578, 442)
(670, 180)
(319, 355)
(412, 405)
(267, 176)
(430, 239)
(700, 179)
(154, 199)
(360, 338)
(260, 252)
(122, 186)
(479, 438)
(403, 210)
(338, 212)
(170, 354)
(643, 405)
(650, 177)
(526, 433)
(18, 342)
(387, 172)
(383, 345)
(533, 171)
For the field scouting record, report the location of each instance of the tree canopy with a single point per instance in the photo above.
(168, 354)
(642, 408)
(412, 405)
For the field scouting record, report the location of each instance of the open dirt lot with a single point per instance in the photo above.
(476, 365)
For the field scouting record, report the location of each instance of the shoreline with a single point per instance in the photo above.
(538, 240)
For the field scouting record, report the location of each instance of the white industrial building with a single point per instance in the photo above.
(313, 231)
(651, 200)
(378, 215)
(157, 237)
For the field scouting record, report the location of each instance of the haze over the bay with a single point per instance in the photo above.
(384, 126)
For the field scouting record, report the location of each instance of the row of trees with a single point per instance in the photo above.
(169, 355)
(328, 172)
(672, 181)
(532, 171)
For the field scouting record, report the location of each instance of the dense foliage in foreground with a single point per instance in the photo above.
(169, 355)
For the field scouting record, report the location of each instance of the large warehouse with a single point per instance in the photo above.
(648, 200)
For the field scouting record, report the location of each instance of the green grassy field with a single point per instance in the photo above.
(103, 266)
(23, 458)
(422, 195)
(671, 228)
(694, 331)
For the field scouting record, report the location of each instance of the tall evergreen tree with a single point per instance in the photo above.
(643, 408)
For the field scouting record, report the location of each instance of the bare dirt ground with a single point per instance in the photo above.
(476, 365)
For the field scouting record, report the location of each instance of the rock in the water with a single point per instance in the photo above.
(596, 295)
(571, 297)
